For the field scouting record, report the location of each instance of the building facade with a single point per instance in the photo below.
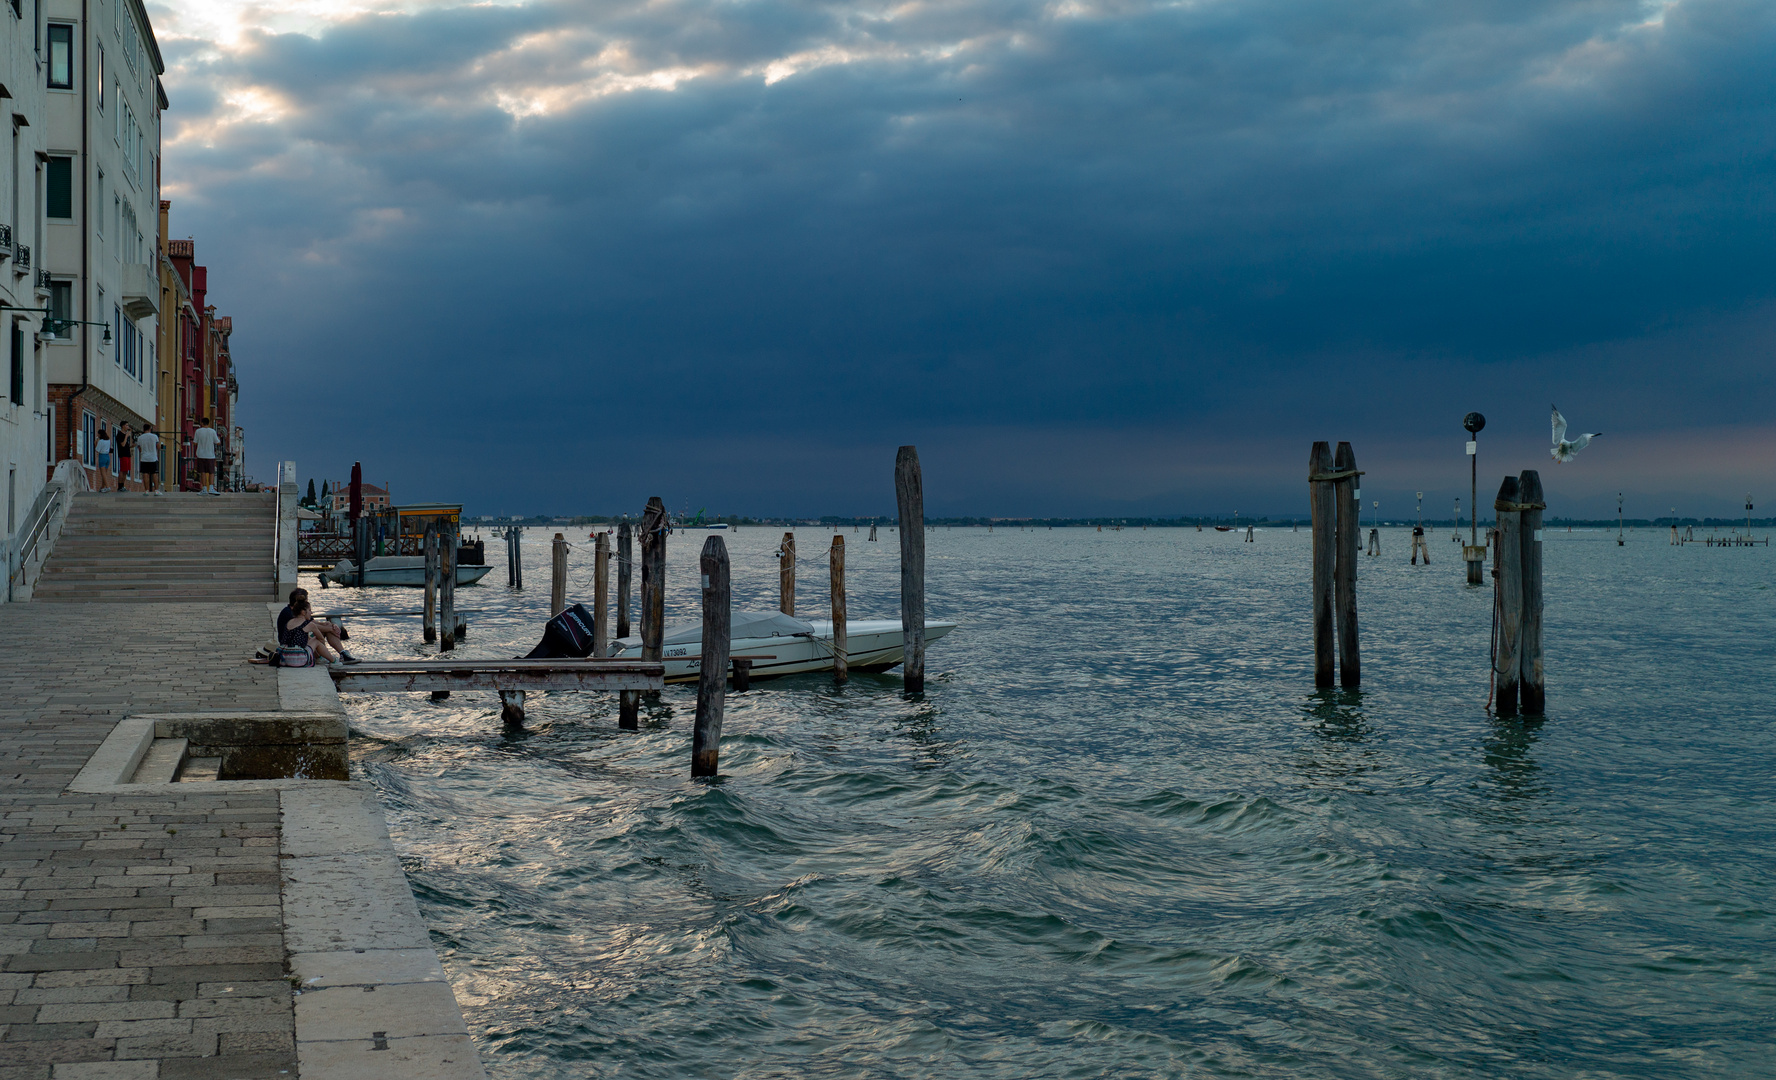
(200, 369)
(24, 400)
(101, 209)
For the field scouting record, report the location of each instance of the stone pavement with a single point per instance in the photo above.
(141, 936)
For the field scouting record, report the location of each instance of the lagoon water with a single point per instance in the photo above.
(1120, 835)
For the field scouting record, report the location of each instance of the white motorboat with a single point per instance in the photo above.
(780, 644)
(397, 570)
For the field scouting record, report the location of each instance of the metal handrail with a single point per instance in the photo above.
(277, 527)
(43, 510)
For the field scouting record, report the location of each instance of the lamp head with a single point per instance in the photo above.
(1473, 422)
(107, 338)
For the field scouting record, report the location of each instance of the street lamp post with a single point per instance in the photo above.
(1474, 552)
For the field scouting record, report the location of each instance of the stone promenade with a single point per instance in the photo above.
(140, 936)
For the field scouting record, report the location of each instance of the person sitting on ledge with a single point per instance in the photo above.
(330, 633)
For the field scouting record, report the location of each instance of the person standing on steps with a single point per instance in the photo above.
(125, 441)
(148, 449)
(203, 448)
(102, 454)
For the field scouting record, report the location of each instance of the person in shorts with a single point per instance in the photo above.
(102, 454)
(203, 449)
(330, 633)
(148, 449)
(124, 441)
(302, 631)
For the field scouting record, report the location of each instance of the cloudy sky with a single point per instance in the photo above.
(1092, 256)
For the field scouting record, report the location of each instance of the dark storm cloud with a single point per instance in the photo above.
(855, 225)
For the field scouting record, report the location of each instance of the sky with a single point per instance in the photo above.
(1092, 257)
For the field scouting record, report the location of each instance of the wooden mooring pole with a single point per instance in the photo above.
(712, 681)
(654, 523)
(625, 564)
(1507, 665)
(447, 545)
(841, 633)
(601, 555)
(558, 576)
(431, 582)
(1348, 496)
(1321, 495)
(1533, 695)
(786, 574)
(909, 492)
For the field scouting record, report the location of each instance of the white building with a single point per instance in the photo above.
(100, 205)
(25, 450)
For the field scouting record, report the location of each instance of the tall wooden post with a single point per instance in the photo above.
(654, 523)
(431, 581)
(447, 544)
(840, 633)
(361, 546)
(625, 564)
(601, 557)
(1347, 496)
(1508, 664)
(786, 574)
(909, 492)
(628, 701)
(511, 563)
(558, 576)
(518, 557)
(1321, 494)
(712, 681)
(1533, 695)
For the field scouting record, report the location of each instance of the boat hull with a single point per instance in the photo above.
(400, 570)
(871, 645)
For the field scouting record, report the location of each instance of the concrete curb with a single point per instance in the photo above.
(372, 999)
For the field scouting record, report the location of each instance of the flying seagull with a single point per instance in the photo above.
(1563, 448)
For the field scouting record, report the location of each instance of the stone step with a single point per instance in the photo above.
(178, 594)
(161, 763)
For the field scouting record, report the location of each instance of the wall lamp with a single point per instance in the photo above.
(54, 326)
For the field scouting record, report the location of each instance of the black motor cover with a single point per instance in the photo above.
(567, 634)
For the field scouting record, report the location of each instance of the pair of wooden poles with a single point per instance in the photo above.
(441, 619)
(786, 583)
(717, 614)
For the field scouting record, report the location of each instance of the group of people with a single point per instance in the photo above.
(144, 449)
(298, 628)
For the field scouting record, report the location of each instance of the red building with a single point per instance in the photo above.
(205, 380)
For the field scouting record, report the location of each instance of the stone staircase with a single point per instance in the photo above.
(173, 547)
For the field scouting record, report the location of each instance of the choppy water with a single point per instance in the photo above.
(1121, 835)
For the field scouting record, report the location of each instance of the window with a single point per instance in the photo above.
(61, 56)
(89, 438)
(101, 78)
(99, 201)
(49, 449)
(61, 188)
(61, 305)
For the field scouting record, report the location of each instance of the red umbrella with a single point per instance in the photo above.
(357, 490)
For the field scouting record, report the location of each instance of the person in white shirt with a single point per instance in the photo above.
(203, 447)
(148, 456)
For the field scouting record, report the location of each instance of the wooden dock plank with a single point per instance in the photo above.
(375, 677)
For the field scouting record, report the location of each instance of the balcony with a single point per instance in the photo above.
(141, 290)
(5, 241)
(21, 260)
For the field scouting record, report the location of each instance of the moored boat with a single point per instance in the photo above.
(397, 570)
(780, 644)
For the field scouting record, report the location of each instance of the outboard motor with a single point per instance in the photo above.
(567, 634)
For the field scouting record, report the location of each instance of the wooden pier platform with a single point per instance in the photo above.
(381, 677)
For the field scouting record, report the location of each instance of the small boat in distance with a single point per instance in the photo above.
(397, 570)
(1224, 528)
(780, 644)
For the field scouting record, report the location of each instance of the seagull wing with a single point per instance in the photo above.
(1583, 441)
(1559, 424)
